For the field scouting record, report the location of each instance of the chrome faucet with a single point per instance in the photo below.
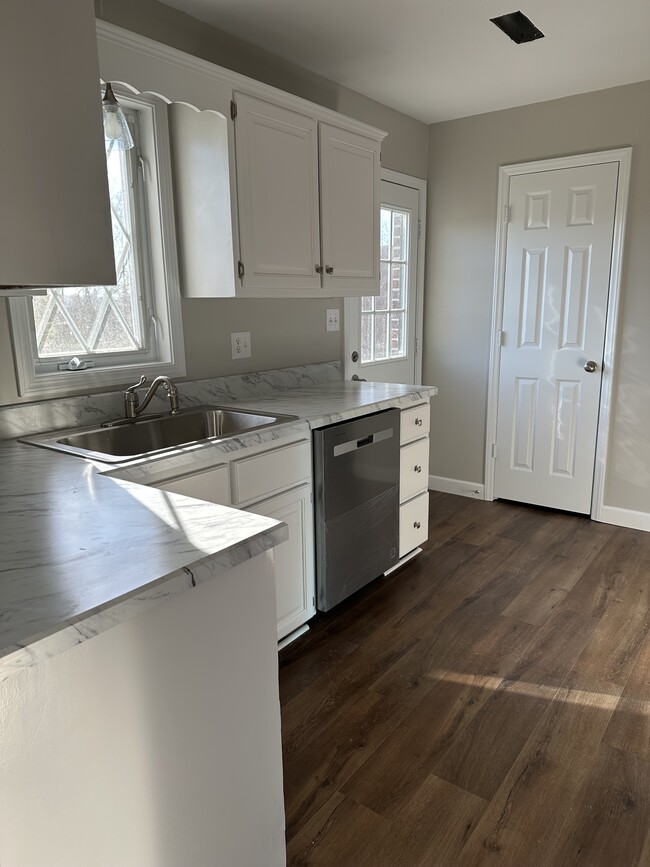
(132, 405)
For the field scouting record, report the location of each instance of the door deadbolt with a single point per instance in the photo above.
(355, 356)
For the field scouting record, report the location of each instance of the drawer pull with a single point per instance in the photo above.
(417, 468)
(416, 524)
(418, 422)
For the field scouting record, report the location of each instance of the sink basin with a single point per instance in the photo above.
(132, 439)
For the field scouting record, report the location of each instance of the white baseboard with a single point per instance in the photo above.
(625, 518)
(475, 490)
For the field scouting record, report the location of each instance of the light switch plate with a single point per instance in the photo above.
(240, 342)
(332, 319)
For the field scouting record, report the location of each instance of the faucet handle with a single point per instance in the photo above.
(131, 389)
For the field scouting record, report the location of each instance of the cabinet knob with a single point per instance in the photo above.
(416, 524)
(319, 269)
(329, 269)
(417, 468)
(418, 422)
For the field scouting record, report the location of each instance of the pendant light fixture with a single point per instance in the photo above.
(116, 128)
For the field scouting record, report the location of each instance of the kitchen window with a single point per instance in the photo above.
(81, 337)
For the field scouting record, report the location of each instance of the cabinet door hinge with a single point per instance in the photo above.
(494, 450)
(501, 338)
(506, 214)
(233, 109)
(240, 269)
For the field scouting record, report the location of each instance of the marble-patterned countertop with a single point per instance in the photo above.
(327, 403)
(81, 550)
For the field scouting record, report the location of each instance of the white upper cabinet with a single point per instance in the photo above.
(55, 225)
(277, 195)
(349, 191)
(308, 204)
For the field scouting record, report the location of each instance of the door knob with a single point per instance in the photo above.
(591, 366)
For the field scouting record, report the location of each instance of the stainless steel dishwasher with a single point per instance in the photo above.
(356, 476)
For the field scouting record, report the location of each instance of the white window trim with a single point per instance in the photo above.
(163, 274)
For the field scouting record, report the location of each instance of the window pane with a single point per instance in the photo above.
(381, 336)
(400, 235)
(397, 286)
(366, 303)
(366, 337)
(397, 335)
(384, 234)
(57, 333)
(98, 319)
(381, 300)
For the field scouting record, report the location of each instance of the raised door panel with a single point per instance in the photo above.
(349, 188)
(277, 190)
(294, 567)
(55, 223)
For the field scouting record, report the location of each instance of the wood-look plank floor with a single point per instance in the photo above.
(489, 703)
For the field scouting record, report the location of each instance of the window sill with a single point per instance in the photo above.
(61, 383)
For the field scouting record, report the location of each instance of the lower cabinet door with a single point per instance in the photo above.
(413, 523)
(294, 559)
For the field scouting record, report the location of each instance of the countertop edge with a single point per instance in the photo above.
(72, 633)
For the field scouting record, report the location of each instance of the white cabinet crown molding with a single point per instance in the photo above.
(120, 37)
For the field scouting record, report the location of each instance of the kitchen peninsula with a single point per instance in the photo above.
(157, 740)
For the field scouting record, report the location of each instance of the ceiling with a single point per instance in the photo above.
(442, 59)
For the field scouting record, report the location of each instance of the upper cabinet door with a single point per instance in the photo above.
(55, 224)
(277, 189)
(349, 189)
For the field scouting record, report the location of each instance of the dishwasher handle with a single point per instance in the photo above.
(371, 439)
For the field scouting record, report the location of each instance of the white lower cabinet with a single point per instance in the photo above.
(414, 478)
(294, 559)
(276, 483)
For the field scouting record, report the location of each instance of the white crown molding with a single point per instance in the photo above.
(235, 81)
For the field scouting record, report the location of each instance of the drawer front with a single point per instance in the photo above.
(213, 486)
(413, 469)
(270, 473)
(414, 423)
(413, 524)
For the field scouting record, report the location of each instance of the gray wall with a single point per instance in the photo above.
(464, 156)
(283, 332)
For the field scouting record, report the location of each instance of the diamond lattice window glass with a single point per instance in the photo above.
(97, 320)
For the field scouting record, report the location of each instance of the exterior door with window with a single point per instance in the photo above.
(380, 330)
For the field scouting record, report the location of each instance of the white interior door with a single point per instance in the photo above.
(380, 330)
(558, 256)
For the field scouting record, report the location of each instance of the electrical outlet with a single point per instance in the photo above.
(332, 319)
(240, 342)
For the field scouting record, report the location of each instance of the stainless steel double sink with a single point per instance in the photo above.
(129, 439)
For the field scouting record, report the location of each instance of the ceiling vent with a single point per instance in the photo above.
(518, 27)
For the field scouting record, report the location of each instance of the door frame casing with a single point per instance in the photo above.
(420, 185)
(622, 156)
